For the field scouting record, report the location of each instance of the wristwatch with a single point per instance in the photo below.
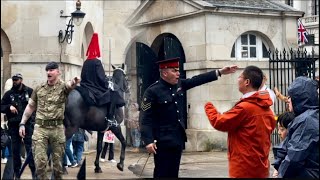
(21, 124)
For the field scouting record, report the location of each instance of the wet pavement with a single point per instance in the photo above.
(193, 164)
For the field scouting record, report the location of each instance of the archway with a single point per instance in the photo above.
(87, 34)
(164, 46)
(5, 64)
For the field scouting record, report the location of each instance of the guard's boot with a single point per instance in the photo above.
(16, 175)
(34, 175)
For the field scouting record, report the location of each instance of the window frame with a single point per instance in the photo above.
(315, 7)
(289, 2)
(259, 48)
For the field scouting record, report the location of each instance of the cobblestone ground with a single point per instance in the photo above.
(193, 164)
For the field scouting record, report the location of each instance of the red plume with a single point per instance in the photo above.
(93, 50)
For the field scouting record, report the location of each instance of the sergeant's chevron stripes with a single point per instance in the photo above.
(145, 105)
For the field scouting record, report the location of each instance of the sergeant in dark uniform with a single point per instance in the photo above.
(161, 115)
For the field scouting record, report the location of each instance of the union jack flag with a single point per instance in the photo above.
(302, 33)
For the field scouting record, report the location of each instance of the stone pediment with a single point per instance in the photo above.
(156, 11)
(150, 11)
(271, 5)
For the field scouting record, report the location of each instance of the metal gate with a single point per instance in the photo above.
(284, 67)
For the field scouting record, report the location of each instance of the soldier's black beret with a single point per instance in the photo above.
(52, 65)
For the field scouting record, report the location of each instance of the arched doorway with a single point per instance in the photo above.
(87, 34)
(5, 64)
(164, 46)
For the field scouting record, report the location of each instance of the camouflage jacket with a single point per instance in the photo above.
(50, 100)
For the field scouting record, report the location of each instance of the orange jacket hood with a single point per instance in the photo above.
(260, 98)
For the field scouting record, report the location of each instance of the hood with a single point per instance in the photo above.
(304, 94)
(260, 98)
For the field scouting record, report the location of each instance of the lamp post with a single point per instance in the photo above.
(76, 18)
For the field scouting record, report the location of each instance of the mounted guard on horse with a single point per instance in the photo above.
(92, 105)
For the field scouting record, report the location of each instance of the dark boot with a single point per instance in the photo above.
(65, 171)
(34, 175)
(16, 175)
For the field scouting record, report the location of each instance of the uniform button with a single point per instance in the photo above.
(177, 111)
(172, 94)
(170, 88)
(179, 120)
(176, 102)
(165, 101)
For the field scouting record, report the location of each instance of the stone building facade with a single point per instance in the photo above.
(210, 34)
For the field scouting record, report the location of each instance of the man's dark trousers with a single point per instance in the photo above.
(16, 147)
(167, 162)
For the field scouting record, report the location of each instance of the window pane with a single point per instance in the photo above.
(264, 51)
(233, 51)
(244, 52)
(253, 52)
(252, 39)
(244, 39)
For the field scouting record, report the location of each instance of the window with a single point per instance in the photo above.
(249, 46)
(315, 7)
(310, 38)
(289, 2)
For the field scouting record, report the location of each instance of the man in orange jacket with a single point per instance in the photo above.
(249, 125)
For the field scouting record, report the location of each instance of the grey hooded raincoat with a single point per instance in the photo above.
(298, 155)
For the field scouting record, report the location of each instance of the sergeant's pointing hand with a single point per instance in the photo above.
(228, 69)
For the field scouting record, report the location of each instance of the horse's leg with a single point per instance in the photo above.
(99, 148)
(117, 132)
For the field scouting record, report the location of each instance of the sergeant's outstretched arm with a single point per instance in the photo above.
(228, 69)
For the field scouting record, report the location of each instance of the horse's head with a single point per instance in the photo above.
(119, 77)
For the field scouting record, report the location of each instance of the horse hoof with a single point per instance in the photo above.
(98, 170)
(120, 166)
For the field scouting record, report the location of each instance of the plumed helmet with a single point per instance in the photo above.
(93, 51)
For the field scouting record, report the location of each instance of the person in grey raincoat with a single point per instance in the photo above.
(298, 155)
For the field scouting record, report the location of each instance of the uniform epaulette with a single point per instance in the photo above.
(154, 84)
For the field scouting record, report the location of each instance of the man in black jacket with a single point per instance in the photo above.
(13, 104)
(161, 115)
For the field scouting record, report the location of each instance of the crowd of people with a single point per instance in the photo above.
(249, 125)
(35, 120)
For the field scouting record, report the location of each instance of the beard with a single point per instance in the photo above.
(16, 86)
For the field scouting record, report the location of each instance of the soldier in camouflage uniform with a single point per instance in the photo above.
(48, 100)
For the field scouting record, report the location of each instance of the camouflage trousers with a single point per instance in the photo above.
(42, 138)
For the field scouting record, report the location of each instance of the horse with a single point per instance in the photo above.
(92, 118)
